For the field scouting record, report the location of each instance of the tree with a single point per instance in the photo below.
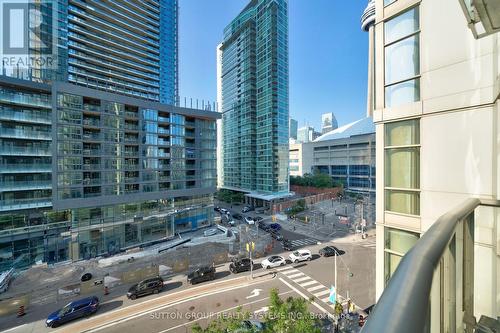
(225, 323)
(290, 315)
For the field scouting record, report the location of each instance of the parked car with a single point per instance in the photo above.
(287, 245)
(240, 265)
(273, 261)
(223, 211)
(209, 232)
(146, 287)
(74, 310)
(237, 216)
(247, 209)
(217, 208)
(275, 226)
(300, 255)
(86, 277)
(329, 251)
(231, 222)
(201, 275)
(249, 220)
(263, 226)
(257, 218)
(276, 235)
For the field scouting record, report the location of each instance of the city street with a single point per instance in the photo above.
(179, 305)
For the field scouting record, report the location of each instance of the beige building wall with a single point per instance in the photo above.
(459, 112)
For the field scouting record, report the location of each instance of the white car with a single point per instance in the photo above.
(249, 220)
(223, 211)
(300, 255)
(273, 261)
(230, 222)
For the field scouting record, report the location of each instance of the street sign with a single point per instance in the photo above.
(333, 295)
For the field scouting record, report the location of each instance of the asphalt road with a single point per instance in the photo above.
(306, 279)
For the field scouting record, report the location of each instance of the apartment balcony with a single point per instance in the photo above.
(17, 133)
(92, 152)
(91, 181)
(35, 117)
(130, 114)
(22, 151)
(91, 122)
(25, 99)
(91, 166)
(25, 185)
(92, 136)
(163, 120)
(16, 204)
(25, 168)
(131, 166)
(447, 281)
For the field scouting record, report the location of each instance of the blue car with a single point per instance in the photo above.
(275, 226)
(74, 310)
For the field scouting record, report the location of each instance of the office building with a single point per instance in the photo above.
(88, 168)
(435, 103)
(307, 134)
(328, 122)
(254, 92)
(347, 154)
(293, 127)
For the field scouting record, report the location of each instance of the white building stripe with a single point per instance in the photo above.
(321, 293)
(315, 288)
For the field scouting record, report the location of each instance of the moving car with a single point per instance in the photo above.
(74, 310)
(201, 275)
(146, 287)
(249, 220)
(275, 226)
(240, 265)
(329, 251)
(273, 261)
(276, 235)
(210, 232)
(300, 255)
(247, 209)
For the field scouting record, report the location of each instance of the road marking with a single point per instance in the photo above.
(302, 279)
(281, 269)
(291, 271)
(321, 293)
(315, 288)
(262, 309)
(14, 328)
(254, 293)
(215, 314)
(307, 298)
(326, 300)
(308, 283)
(295, 275)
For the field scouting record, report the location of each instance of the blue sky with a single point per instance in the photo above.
(328, 55)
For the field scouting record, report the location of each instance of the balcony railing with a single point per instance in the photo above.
(24, 203)
(434, 286)
(25, 185)
(25, 151)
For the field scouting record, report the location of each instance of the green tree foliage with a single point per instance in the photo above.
(230, 196)
(224, 323)
(318, 179)
(290, 316)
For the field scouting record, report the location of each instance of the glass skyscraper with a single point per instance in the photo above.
(94, 155)
(254, 84)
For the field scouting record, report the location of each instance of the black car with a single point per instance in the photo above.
(276, 235)
(263, 226)
(201, 275)
(237, 216)
(146, 287)
(275, 226)
(217, 208)
(287, 245)
(329, 251)
(257, 218)
(241, 265)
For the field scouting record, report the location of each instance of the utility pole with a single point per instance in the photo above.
(336, 289)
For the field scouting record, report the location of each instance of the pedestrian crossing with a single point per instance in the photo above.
(318, 290)
(303, 242)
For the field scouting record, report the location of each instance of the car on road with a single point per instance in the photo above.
(231, 222)
(249, 220)
(237, 216)
(247, 209)
(276, 235)
(263, 226)
(275, 226)
(223, 211)
(209, 232)
(201, 275)
(74, 310)
(217, 208)
(329, 251)
(86, 277)
(240, 265)
(273, 261)
(146, 287)
(287, 245)
(257, 218)
(300, 255)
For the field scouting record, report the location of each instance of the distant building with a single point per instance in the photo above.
(306, 134)
(328, 122)
(347, 154)
(293, 126)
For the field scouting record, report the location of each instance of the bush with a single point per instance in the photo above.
(318, 180)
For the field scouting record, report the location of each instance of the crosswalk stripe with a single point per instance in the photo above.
(281, 269)
(308, 283)
(321, 293)
(295, 275)
(291, 271)
(315, 288)
(302, 279)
